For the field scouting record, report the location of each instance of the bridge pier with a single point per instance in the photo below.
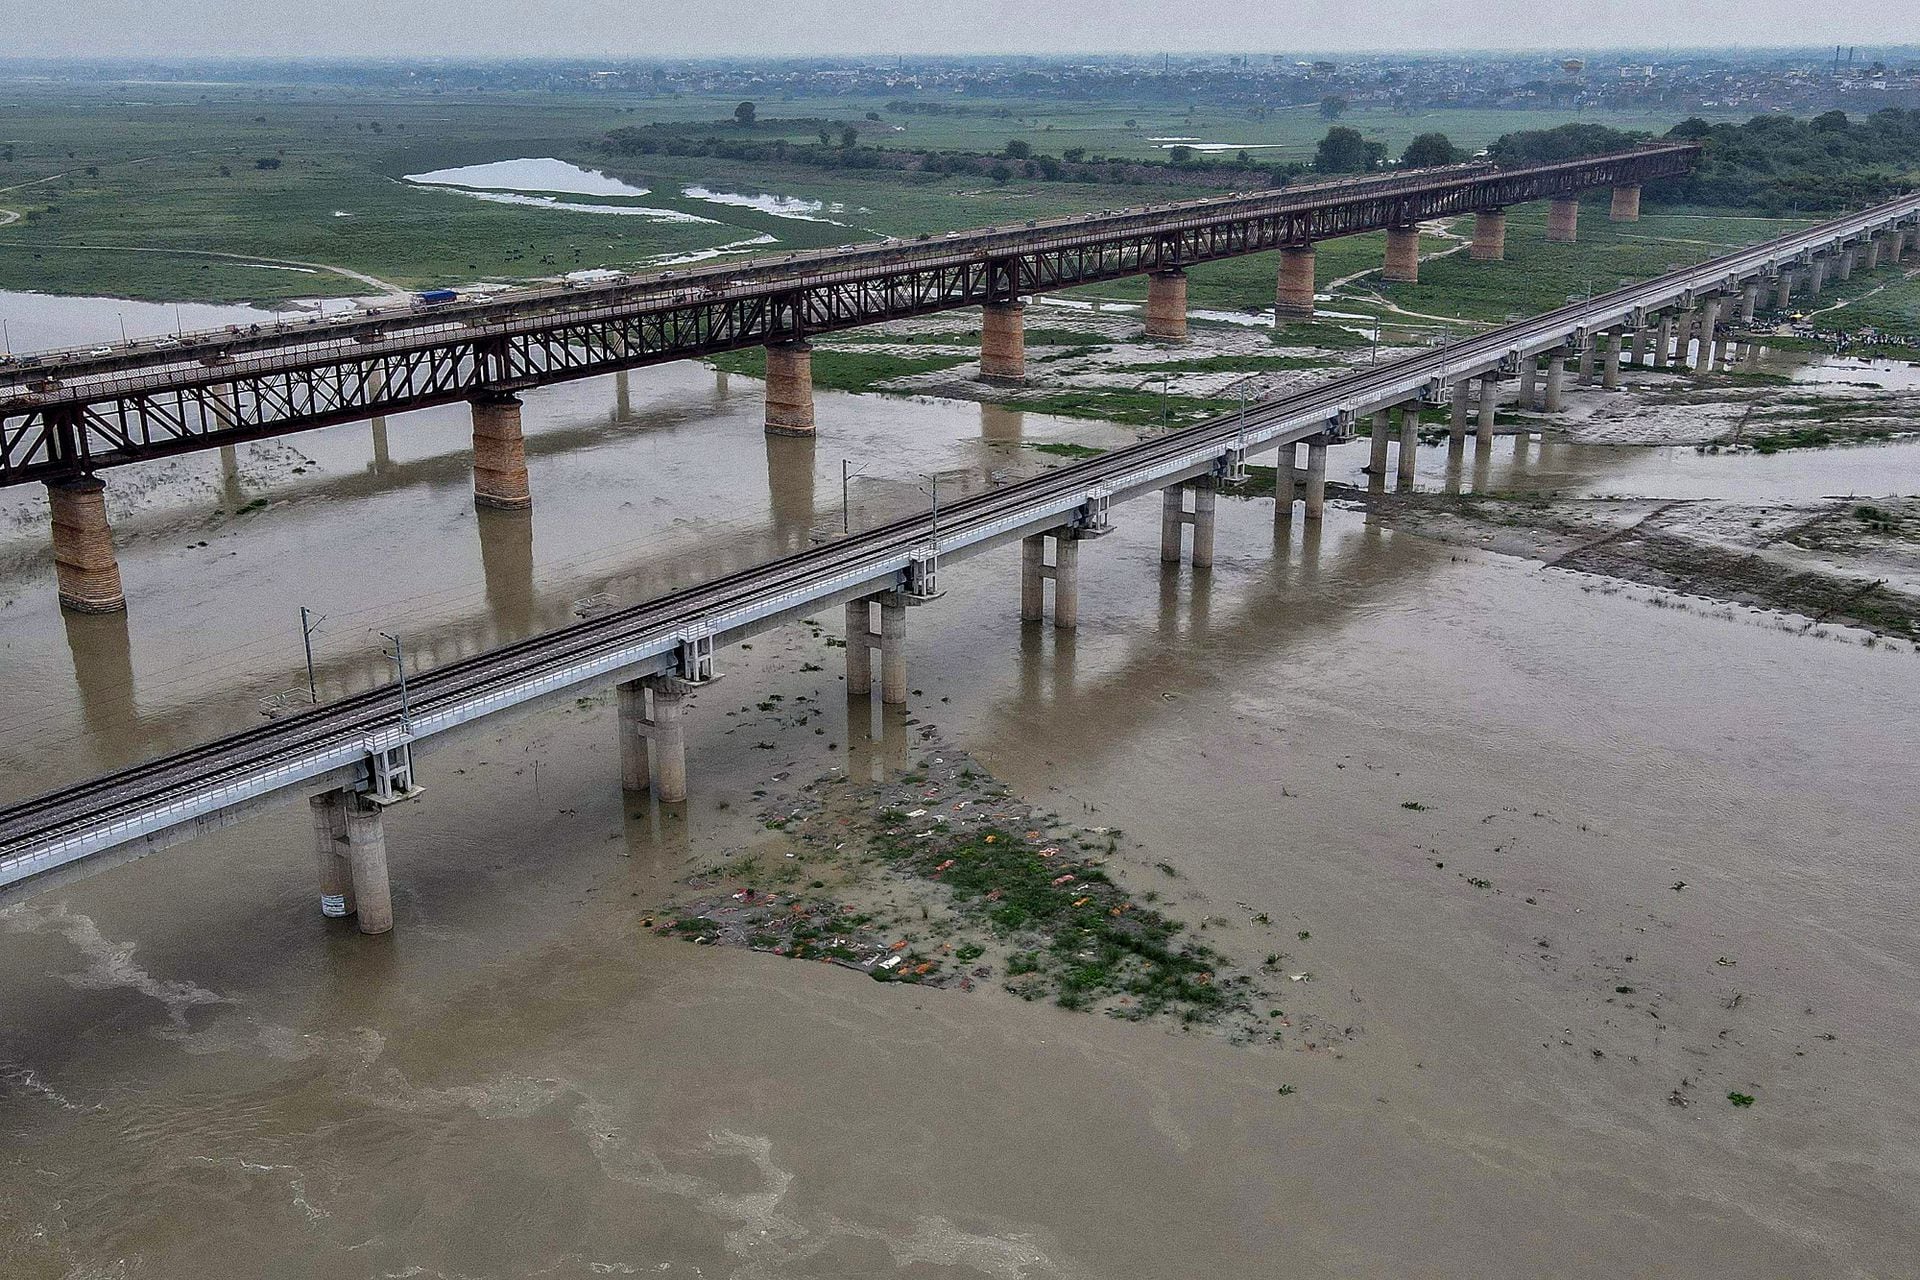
(1563, 220)
(790, 388)
(350, 846)
(1457, 419)
(1064, 573)
(1174, 514)
(1529, 384)
(499, 454)
(1845, 264)
(1870, 253)
(1489, 236)
(1639, 353)
(890, 639)
(1409, 444)
(329, 812)
(1896, 245)
(1556, 379)
(1003, 344)
(1682, 339)
(84, 566)
(1816, 276)
(1377, 445)
(1783, 291)
(1626, 204)
(1489, 405)
(1316, 497)
(1610, 365)
(1293, 290)
(1709, 320)
(1167, 306)
(1586, 362)
(1403, 255)
(653, 736)
(1749, 302)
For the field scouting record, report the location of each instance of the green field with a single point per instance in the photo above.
(156, 192)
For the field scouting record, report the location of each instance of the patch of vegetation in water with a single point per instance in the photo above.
(1067, 449)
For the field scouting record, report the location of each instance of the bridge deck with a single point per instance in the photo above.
(77, 822)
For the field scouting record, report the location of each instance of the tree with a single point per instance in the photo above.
(1429, 149)
(826, 139)
(1343, 150)
(1830, 122)
(1072, 155)
(743, 115)
(1333, 106)
(1000, 172)
(267, 162)
(1179, 155)
(1018, 150)
(849, 136)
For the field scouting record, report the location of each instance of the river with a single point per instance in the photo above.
(1661, 855)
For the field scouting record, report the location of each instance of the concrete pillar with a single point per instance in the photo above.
(1845, 264)
(1003, 347)
(1682, 338)
(329, 811)
(1640, 345)
(84, 566)
(1870, 253)
(1897, 240)
(1489, 405)
(1316, 500)
(1556, 377)
(1167, 306)
(1457, 423)
(1173, 514)
(1563, 220)
(1205, 496)
(1749, 302)
(1816, 276)
(1663, 342)
(634, 774)
(1377, 444)
(1586, 362)
(1529, 382)
(1489, 236)
(1064, 572)
(790, 389)
(1610, 369)
(1403, 255)
(1709, 320)
(1293, 291)
(499, 454)
(367, 862)
(1783, 291)
(1626, 204)
(1409, 443)
(893, 649)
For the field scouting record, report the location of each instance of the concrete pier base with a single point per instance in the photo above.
(1709, 322)
(1174, 514)
(367, 863)
(1409, 444)
(1167, 306)
(1556, 379)
(1003, 348)
(1563, 221)
(1063, 572)
(790, 389)
(499, 455)
(1489, 405)
(1293, 290)
(85, 569)
(1625, 206)
(329, 811)
(1489, 236)
(1316, 496)
(653, 737)
(1403, 255)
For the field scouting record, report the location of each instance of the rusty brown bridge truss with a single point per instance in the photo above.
(68, 415)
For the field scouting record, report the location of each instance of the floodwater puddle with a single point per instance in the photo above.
(543, 175)
(796, 207)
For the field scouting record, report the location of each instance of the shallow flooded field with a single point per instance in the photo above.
(1565, 869)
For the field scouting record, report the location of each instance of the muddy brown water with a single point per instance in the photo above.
(200, 1076)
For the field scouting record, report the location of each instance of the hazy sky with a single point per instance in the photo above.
(647, 28)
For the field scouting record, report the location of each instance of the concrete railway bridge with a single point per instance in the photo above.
(65, 417)
(353, 758)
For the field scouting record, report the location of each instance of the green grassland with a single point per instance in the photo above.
(156, 191)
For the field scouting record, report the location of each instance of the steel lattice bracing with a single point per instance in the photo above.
(68, 415)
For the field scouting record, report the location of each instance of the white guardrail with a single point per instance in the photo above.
(1261, 429)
